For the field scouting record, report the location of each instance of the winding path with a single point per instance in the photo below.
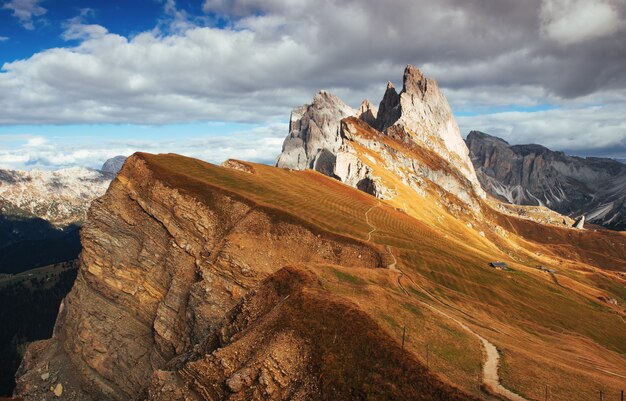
(490, 376)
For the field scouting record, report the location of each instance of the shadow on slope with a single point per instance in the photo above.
(293, 339)
(29, 242)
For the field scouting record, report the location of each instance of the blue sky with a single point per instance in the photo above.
(81, 81)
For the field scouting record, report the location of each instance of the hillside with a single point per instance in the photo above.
(210, 282)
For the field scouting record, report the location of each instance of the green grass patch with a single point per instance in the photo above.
(347, 277)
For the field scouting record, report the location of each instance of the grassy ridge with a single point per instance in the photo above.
(449, 268)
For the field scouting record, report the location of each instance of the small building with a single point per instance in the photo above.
(499, 265)
(546, 269)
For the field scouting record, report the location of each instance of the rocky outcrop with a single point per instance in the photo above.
(417, 119)
(367, 112)
(535, 175)
(113, 165)
(580, 224)
(314, 133)
(422, 114)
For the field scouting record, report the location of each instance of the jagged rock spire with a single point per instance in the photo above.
(314, 132)
(367, 112)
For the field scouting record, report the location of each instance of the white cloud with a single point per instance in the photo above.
(203, 74)
(275, 54)
(25, 11)
(36, 142)
(588, 130)
(261, 144)
(80, 31)
(573, 21)
(4, 38)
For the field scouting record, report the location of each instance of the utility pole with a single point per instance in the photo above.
(622, 395)
(403, 332)
(601, 396)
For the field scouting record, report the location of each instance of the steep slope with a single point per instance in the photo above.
(535, 175)
(212, 283)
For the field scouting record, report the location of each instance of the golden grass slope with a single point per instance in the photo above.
(567, 332)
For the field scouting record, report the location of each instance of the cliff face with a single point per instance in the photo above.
(535, 175)
(163, 273)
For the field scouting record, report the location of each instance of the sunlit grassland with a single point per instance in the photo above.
(453, 268)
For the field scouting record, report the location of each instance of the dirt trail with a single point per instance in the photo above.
(367, 220)
(490, 376)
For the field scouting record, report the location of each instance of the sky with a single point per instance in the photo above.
(81, 81)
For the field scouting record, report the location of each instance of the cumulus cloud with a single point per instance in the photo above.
(4, 38)
(275, 54)
(581, 131)
(573, 21)
(25, 11)
(260, 144)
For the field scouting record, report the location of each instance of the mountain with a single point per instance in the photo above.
(191, 285)
(40, 217)
(251, 282)
(535, 175)
(61, 197)
(410, 146)
(113, 165)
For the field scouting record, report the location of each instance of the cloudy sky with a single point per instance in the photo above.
(82, 80)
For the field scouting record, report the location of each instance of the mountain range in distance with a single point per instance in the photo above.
(534, 175)
(43, 210)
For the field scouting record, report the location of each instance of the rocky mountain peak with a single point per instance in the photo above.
(367, 112)
(535, 175)
(113, 165)
(419, 116)
(314, 132)
(389, 108)
(483, 137)
(414, 81)
(423, 116)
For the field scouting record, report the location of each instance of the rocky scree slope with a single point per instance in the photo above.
(535, 175)
(182, 294)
